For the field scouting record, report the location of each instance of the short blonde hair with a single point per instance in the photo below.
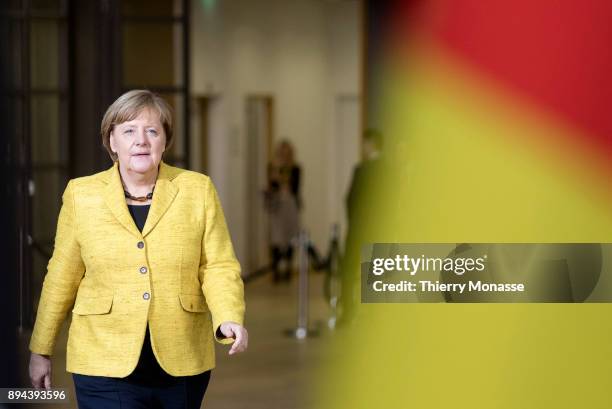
(127, 107)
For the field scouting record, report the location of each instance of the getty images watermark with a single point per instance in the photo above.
(483, 272)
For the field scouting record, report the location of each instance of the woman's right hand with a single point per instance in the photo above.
(40, 371)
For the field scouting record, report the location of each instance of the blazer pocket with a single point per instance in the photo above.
(193, 303)
(93, 305)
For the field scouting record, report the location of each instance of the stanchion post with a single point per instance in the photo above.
(302, 320)
(302, 330)
(334, 279)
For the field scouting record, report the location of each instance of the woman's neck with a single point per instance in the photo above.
(138, 184)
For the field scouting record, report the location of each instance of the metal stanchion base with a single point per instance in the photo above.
(301, 333)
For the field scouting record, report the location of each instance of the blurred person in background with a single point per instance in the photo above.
(143, 253)
(283, 203)
(365, 173)
(365, 192)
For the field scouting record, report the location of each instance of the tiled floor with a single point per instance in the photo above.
(275, 371)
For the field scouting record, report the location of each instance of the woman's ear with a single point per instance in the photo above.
(111, 140)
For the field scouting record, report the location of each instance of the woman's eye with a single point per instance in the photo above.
(127, 131)
(153, 131)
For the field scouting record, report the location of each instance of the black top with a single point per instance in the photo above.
(139, 214)
(148, 370)
(290, 175)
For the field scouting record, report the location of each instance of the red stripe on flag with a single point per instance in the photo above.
(557, 53)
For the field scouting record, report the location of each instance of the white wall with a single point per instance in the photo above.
(304, 53)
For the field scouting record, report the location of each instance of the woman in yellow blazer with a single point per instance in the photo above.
(144, 259)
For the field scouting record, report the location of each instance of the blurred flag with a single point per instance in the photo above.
(498, 127)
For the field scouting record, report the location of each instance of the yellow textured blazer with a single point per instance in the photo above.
(180, 275)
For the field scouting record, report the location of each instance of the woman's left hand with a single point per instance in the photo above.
(241, 337)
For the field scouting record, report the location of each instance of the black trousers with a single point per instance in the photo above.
(278, 254)
(100, 392)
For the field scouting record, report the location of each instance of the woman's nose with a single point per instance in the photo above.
(141, 137)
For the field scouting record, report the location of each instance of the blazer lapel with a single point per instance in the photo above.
(163, 195)
(115, 200)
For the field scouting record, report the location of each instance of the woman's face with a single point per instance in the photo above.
(284, 153)
(139, 143)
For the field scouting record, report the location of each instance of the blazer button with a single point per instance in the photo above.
(146, 296)
(140, 244)
(143, 270)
